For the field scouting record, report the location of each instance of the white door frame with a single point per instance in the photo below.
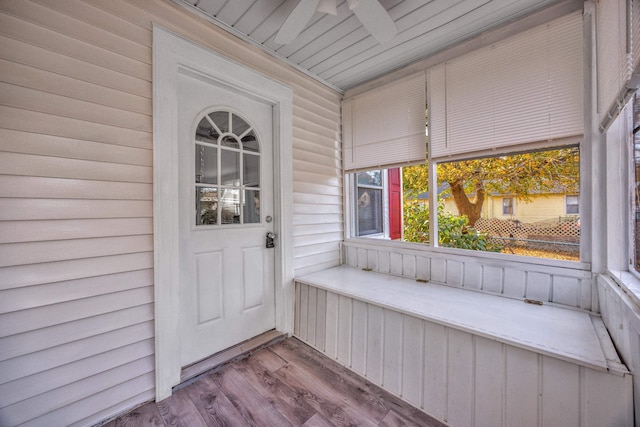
(171, 54)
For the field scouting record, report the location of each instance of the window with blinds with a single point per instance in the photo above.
(524, 89)
(385, 127)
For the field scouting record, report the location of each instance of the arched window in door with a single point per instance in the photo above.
(227, 170)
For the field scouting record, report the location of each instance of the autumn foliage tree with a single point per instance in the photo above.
(521, 175)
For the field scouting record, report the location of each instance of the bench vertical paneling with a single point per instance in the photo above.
(457, 376)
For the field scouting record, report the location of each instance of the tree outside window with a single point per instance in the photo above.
(482, 191)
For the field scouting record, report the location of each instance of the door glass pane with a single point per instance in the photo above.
(221, 119)
(230, 141)
(206, 205)
(206, 133)
(230, 167)
(250, 142)
(230, 198)
(251, 206)
(227, 170)
(251, 170)
(239, 125)
(206, 164)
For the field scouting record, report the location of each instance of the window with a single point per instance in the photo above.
(507, 206)
(369, 202)
(572, 205)
(471, 206)
(492, 116)
(481, 193)
(227, 171)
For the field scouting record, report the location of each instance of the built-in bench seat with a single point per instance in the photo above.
(460, 355)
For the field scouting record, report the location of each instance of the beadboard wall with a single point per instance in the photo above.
(76, 212)
(621, 314)
(548, 282)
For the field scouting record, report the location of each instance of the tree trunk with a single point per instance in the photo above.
(466, 207)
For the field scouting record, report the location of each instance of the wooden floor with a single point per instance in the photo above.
(286, 384)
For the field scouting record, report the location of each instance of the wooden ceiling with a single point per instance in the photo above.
(340, 52)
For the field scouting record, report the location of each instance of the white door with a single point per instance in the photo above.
(226, 210)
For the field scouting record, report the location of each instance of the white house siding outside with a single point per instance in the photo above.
(76, 211)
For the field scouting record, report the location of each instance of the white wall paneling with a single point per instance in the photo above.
(561, 284)
(621, 314)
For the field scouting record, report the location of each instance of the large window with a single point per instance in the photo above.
(476, 201)
(515, 203)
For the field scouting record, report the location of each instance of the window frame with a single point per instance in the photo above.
(351, 225)
(350, 203)
(382, 188)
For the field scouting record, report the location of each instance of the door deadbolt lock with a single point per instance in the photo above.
(270, 240)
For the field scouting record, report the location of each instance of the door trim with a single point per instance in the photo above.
(171, 54)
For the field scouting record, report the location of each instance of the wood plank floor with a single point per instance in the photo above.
(285, 384)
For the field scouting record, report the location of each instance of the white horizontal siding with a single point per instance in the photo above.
(69, 148)
(458, 377)
(41, 230)
(34, 296)
(17, 322)
(44, 209)
(33, 385)
(58, 167)
(76, 216)
(59, 334)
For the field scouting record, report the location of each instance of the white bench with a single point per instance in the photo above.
(462, 355)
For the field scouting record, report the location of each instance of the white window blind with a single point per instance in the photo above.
(614, 56)
(385, 127)
(524, 89)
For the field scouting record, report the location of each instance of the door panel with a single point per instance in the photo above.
(253, 280)
(209, 286)
(226, 192)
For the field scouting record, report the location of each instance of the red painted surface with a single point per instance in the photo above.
(395, 204)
